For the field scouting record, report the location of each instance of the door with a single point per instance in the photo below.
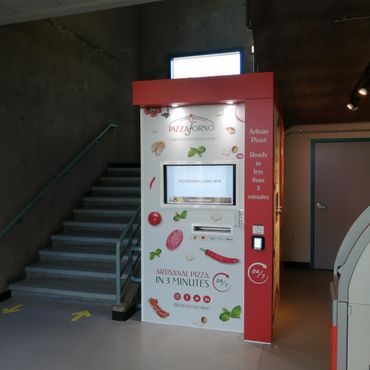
(341, 192)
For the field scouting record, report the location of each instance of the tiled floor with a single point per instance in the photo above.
(41, 337)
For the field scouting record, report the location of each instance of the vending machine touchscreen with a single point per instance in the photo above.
(201, 184)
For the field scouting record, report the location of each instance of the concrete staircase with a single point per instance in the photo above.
(80, 262)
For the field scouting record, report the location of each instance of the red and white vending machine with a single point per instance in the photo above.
(212, 178)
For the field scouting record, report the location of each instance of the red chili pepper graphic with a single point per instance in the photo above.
(218, 257)
(152, 182)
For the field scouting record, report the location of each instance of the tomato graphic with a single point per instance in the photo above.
(154, 218)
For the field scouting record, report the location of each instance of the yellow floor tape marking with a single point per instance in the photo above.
(12, 309)
(78, 315)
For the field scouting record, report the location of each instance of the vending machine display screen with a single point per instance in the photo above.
(200, 184)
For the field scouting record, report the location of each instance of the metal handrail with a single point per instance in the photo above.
(44, 191)
(128, 234)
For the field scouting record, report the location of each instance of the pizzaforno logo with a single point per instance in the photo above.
(191, 124)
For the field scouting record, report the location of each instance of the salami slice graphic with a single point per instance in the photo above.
(174, 239)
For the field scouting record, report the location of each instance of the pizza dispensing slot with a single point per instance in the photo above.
(213, 229)
(212, 232)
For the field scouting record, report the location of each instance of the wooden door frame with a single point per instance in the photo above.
(312, 190)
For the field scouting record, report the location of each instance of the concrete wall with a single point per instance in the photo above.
(296, 229)
(62, 81)
(185, 26)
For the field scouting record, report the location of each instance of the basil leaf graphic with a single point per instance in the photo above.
(235, 312)
(192, 152)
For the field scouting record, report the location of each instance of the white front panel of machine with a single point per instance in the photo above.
(192, 216)
(358, 337)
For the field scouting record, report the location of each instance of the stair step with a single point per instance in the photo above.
(119, 171)
(116, 190)
(105, 212)
(73, 269)
(123, 165)
(116, 214)
(64, 288)
(91, 238)
(105, 226)
(120, 178)
(80, 253)
(105, 180)
(112, 200)
(81, 238)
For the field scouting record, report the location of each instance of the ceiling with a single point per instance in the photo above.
(318, 51)
(14, 11)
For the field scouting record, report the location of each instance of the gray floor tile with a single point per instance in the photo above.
(42, 337)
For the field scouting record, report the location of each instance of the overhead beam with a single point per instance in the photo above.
(61, 8)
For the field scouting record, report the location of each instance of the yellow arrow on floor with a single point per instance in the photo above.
(12, 309)
(78, 315)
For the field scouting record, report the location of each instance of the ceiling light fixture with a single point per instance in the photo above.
(230, 102)
(360, 90)
(352, 107)
(363, 91)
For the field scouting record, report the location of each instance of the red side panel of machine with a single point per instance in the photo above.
(259, 219)
(333, 347)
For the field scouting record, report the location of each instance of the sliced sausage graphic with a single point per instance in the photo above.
(174, 239)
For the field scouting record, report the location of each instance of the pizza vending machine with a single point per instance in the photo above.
(211, 165)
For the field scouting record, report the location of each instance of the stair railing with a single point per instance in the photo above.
(126, 246)
(56, 179)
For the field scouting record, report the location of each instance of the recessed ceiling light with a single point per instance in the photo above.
(230, 102)
(174, 105)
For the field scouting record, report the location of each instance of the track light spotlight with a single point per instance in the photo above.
(352, 107)
(361, 89)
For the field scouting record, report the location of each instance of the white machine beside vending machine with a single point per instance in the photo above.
(350, 294)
